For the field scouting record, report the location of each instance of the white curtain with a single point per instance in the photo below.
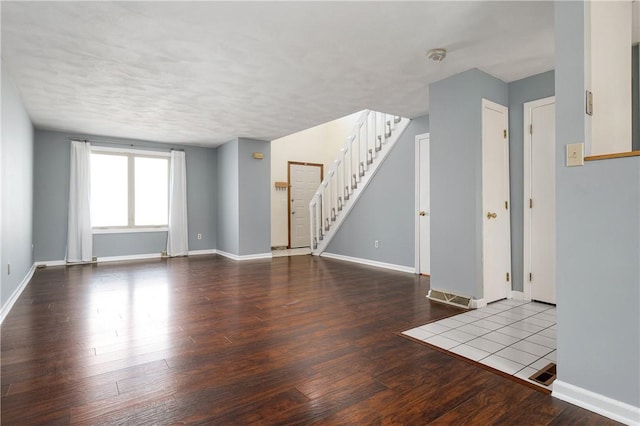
(79, 235)
(177, 241)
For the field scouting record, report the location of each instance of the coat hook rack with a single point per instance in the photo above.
(281, 186)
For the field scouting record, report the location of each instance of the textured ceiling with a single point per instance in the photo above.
(205, 72)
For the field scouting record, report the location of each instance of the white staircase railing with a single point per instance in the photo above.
(372, 138)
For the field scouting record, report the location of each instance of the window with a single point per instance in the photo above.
(129, 189)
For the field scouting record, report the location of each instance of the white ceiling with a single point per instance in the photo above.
(206, 72)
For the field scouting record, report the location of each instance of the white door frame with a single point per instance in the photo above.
(508, 284)
(416, 230)
(526, 224)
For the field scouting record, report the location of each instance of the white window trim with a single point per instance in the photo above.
(129, 230)
(135, 153)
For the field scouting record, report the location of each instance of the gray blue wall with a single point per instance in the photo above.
(635, 97)
(227, 181)
(386, 210)
(598, 241)
(526, 90)
(456, 179)
(244, 205)
(598, 275)
(254, 197)
(51, 197)
(16, 212)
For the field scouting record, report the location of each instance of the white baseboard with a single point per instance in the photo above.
(101, 260)
(478, 303)
(16, 294)
(200, 252)
(608, 407)
(121, 258)
(244, 257)
(51, 263)
(129, 257)
(517, 295)
(150, 256)
(370, 262)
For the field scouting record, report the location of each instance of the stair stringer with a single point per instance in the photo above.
(388, 146)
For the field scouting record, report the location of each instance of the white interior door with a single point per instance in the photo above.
(304, 179)
(540, 200)
(423, 220)
(496, 244)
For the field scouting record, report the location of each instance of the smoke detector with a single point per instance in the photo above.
(437, 55)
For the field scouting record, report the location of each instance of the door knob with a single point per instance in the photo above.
(422, 213)
(293, 212)
(491, 215)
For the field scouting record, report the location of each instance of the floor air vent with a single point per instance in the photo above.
(449, 298)
(546, 376)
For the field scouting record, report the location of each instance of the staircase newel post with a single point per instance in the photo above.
(312, 221)
(317, 222)
(358, 147)
(336, 186)
(338, 166)
(321, 212)
(329, 198)
(350, 157)
(325, 209)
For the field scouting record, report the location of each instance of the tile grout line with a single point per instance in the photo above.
(526, 315)
(518, 341)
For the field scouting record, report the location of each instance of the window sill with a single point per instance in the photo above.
(129, 230)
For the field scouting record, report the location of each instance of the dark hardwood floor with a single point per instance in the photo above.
(207, 340)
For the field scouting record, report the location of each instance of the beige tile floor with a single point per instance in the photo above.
(518, 338)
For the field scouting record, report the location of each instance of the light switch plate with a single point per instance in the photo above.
(575, 154)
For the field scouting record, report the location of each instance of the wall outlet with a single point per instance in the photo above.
(199, 236)
(376, 243)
